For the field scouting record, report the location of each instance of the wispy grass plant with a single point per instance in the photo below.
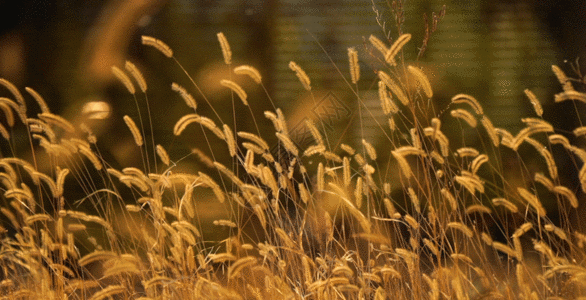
(485, 219)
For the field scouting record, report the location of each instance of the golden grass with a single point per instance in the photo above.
(418, 218)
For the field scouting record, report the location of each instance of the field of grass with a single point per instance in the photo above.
(434, 214)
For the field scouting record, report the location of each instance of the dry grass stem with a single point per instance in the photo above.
(134, 130)
(124, 79)
(422, 80)
(354, 67)
(226, 52)
(135, 72)
(301, 75)
(250, 71)
(157, 44)
(236, 89)
(395, 88)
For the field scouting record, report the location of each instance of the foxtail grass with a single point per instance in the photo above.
(425, 216)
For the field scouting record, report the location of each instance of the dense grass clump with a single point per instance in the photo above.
(433, 217)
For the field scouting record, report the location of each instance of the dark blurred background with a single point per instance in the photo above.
(490, 49)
